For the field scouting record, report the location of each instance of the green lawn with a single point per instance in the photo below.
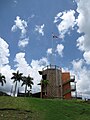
(20, 108)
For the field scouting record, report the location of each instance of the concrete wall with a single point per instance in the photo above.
(53, 87)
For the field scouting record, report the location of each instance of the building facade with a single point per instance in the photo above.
(55, 83)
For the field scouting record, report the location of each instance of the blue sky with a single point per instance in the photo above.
(26, 28)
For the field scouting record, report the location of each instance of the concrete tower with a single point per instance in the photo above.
(55, 83)
(53, 88)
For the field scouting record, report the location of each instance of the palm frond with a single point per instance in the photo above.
(2, 79)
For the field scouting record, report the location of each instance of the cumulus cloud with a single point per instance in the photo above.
(66, 21)
(82, 77)
(4, 52)
(32, 69)
(21, 25)
(7, 71)
(23, 42)
(80, 68)
(83, 23)
(86, 56)
(5, 68)
(40, 29)
(59, 49)
(42, 62)
(57, 18)
(49, 51)
(21, 65)
(36, 66)
(80, 43)
(77, 64)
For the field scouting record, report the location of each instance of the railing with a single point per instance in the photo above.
(67, 91)
(68, 81)
(51, 67)
(72, 78)
(64, 83)
(73, 87)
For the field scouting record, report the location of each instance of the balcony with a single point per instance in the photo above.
(66, 82)
(72, 78)
(73, 87)
(66, 91)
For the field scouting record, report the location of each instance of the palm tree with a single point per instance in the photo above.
(28, 82)
(17, 77)
(2, 79)
(44, 84)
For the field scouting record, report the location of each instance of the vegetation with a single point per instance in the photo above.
(23, 108)
(2, 79)
(28, 82)
(17, 77)
(44, 84)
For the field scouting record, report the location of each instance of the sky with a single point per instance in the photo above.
(27, 43)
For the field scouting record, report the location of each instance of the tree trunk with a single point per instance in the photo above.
(26, 90)
(15, 88)
(30, 92)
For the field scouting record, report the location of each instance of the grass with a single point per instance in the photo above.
(20, 108)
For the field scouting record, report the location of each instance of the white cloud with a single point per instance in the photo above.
(83, 44)
(83, 22)
(80, 43)
(82, 77)
(21, 63)
(31, 69)
(26, 69)
(36, 66)
(5, 69)
(23, 42)
(4, 52)
(59, 49)
(78, 64)
(67, 22)
(86, 56)
(57, 18)
(20, 24)
(14, 28)
(49, 51)
(31, 17)
(40, 29)
(39, 63)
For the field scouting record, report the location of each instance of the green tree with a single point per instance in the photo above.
(2, 79)
(28, 82)
(17, 77)
(44, 84)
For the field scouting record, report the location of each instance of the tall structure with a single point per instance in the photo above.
(55, 83)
